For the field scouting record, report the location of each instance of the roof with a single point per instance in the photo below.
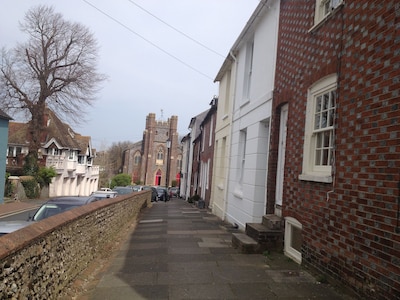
(55, 132)
(17, 133)
(4, 116)
(196, 121)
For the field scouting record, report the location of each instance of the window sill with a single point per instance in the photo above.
(316, 178)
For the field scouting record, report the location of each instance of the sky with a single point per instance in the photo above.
(159, 57)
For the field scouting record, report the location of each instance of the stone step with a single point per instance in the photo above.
(267, 238)
(244, 243)
(273, 221)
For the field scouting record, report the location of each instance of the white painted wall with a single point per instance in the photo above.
(246, 200)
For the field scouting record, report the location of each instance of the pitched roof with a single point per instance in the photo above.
(17, 133)
(55, 129)
(4, 116)
(60, 131)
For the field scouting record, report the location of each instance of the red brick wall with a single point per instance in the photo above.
(208, 153)
(349, 227)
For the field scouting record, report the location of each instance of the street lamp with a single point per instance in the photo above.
(168, 144)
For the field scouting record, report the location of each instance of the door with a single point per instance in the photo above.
(281, 160)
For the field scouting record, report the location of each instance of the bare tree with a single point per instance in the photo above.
(116, 156)
(55, 68)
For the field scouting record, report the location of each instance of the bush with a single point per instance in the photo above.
(121, 180)
(31, 186)
(45, 175)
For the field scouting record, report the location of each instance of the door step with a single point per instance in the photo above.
(260, 237)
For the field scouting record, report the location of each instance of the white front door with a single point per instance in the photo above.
(281, 160)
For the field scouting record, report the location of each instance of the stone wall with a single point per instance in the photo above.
(40, 260)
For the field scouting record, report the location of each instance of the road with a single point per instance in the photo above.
(19, 216)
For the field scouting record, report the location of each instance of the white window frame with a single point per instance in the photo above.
(324, 9)
(289, 250)
(311, 171)
(248, 72)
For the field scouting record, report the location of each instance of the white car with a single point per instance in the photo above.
(10, 226)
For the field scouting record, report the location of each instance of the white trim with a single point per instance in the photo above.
(310, 171)
(288, 249)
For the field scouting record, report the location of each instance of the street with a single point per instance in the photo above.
(19, 216)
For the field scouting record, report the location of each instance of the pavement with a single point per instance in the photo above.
(178, 251)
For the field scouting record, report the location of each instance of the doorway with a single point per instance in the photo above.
(280, 173)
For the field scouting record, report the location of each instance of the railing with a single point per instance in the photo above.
(57, 162)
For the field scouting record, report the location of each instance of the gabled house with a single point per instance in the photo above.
(69, 153)
(243, 120)
(335, 141)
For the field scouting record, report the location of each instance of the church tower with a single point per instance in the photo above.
(161, 155)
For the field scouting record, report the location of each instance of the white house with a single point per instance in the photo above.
(70, 154)
(243, 119)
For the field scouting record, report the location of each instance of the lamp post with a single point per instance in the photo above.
(168, 144)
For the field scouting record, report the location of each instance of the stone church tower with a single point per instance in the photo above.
(156, 160)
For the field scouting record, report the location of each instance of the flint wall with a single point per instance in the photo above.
(42, 259)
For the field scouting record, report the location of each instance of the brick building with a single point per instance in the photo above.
(336, 110)
(156, 160)
(203, 154)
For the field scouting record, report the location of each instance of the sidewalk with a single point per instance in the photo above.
(178, 251)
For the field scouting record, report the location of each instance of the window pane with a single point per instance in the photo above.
(324, 118)
(325, 157)
(326, 138)
(318, 104)
(319, 140)
(326, 101)
(296, 238)
(318, 157)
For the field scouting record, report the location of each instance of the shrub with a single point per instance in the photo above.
(121, 180)
(31, 186)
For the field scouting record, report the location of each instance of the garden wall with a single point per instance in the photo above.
(42, 259)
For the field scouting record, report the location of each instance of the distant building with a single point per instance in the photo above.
(157, 159)
(69, 153)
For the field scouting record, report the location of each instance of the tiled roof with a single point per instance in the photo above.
(3, 115)
(17, 133)
(55, 129)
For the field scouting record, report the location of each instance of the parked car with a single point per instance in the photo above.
(58, 205)
(50, 208)
(10, 226)
(137, 188)
(162, 193)
(174, 192)
(154, 194)
(103, 194)
(123, 190)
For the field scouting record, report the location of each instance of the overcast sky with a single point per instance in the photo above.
(160, 57)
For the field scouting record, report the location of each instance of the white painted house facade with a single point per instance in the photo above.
(69, 153)
(243, 120)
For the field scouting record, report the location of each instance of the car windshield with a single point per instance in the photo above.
(51, 209)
